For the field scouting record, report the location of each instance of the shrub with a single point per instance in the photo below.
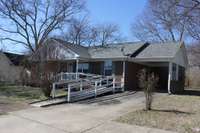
(148, 82)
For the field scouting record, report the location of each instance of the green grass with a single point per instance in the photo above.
(175, 113)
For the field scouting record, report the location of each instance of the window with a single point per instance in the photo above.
(83, 67)
(107, 67)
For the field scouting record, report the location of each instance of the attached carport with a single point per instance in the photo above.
(168, 61)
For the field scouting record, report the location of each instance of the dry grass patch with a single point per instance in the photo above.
(14, 98)
(21, 93)
(175, 113)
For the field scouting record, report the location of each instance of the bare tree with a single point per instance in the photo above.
(79, 31)
(193, 13)
(30, 22)
(107, 33)
(169, 20)
(148, 82)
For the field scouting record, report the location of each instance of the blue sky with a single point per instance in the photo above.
(121, 12)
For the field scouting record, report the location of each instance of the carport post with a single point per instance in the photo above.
(169, 77)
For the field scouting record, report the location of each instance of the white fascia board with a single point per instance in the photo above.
(75, 54)
(180, 57)
(103, 59)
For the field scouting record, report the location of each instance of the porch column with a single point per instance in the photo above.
(123, 75)
(77, 68)
(169, 77)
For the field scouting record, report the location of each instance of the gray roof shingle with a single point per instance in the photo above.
(103, 52)
(114, 51)
(160, 50)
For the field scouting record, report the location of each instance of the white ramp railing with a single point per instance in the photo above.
(86, 86)
(96, 87)
(63, 76)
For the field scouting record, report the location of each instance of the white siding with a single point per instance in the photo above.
(180, 57)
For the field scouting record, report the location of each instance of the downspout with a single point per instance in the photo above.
(123, 75)
(169, 77)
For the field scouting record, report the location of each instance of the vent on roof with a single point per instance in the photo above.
(140, 49)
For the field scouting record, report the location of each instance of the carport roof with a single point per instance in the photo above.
(159, 50)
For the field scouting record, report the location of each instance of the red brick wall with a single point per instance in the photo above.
(131, 79)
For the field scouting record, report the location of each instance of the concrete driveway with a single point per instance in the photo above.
(77, 118)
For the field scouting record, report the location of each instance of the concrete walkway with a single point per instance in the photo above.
(77, 118)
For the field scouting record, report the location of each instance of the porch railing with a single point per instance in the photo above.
(90, 88)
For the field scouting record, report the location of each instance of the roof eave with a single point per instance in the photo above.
(153, 59)
(109, 58)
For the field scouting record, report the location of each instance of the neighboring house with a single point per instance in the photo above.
(123, 60)
(10, 69)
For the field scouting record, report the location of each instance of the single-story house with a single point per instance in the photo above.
(10, 67)
(123, 60)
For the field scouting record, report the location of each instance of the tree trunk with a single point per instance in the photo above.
(148, 101)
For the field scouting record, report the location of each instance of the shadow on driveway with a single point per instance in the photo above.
(191, 92)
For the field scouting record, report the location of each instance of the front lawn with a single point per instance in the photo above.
(175, 113)
(18, 97)
(21, 93)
